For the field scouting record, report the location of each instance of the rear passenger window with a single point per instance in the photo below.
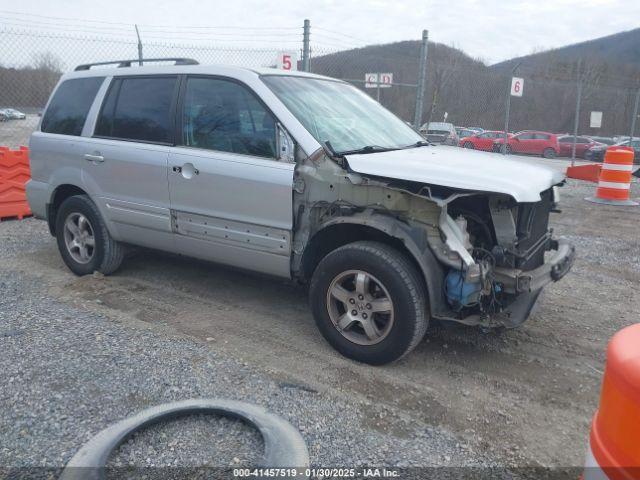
(70, 105)
(223, 115)
(139, 109)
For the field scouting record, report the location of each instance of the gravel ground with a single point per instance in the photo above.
(79, 354)
(69, 372)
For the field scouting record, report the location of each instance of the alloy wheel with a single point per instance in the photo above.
(360, 307)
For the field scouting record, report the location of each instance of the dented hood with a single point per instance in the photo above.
(460, 168)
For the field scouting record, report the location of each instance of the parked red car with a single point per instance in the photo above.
(531, 142)
(582, 145)
(482, 140)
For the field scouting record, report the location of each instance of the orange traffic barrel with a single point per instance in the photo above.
(615, 177)
(614, 443)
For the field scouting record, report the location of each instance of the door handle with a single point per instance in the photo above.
(187, 170)
(93, 157)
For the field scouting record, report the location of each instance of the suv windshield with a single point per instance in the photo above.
(341, 114)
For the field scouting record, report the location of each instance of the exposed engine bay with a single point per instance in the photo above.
(482, 253)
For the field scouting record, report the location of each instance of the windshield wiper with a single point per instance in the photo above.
(419, 143)
(367, 149)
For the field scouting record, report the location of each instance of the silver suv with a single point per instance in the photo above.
(297, 176)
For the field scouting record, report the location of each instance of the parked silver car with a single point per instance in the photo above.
(297, 176)
(440, 132)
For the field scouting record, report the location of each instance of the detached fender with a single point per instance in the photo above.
(284, 447)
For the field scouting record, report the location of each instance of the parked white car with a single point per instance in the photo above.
(13, 114)
(301, 177)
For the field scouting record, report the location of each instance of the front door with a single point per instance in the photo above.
(231, 199)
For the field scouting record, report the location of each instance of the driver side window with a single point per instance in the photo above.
(224, 116)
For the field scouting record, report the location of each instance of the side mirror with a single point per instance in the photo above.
(285, 145)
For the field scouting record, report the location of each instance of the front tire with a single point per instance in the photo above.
(369, 302)
(83, 239)
(468, 145)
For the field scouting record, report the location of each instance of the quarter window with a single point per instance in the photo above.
(224, 116)
(70, 105)
(139, 109)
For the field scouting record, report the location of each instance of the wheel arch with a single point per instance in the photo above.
(410, 241)
(59, 195)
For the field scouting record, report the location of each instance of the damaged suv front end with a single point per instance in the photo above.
(474, 224)
(485, 255)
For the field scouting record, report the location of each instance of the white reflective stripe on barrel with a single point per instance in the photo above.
(617, 166)
(619, 186)
(592, 470)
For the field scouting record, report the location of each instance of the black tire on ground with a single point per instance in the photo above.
(107, 252)
(549, 153)
(468, 145)
(406, 290)
(509, 149)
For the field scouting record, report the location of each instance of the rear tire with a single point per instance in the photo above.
(83, 239)
(369, 302)
(549, 153)
(509, 150)
(468, 145)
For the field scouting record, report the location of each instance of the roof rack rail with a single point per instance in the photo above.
(127, 63)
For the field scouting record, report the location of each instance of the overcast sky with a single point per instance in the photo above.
(492, 30)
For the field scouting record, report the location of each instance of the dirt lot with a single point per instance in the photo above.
(522, 397)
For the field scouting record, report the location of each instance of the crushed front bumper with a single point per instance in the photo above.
(517, 281)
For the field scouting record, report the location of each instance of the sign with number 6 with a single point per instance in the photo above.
(288, 61)
(517, 85)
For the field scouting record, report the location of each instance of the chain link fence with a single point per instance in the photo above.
(457, 89)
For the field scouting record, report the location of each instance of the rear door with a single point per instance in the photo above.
(523, 143)
(126, 159)
(541, 142)
(582, 144)
(232, 200)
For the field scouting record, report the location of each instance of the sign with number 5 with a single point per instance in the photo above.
(288, 61)
(517, 85)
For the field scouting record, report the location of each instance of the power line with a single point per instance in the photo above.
(120, 31)
(225, 27)
(50, 34)
(338, 33)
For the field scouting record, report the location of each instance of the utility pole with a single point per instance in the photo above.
(139, 46)
(576, 120)
(306, 32)
(635, 115)
(422, 80)
(508, 107)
